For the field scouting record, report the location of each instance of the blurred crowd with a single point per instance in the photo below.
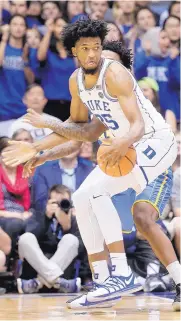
(40, 243)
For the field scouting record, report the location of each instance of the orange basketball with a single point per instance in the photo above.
(121, 168)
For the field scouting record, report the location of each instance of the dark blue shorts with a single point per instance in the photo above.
(156, 193)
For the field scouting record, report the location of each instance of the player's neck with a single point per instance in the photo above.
(91, 79)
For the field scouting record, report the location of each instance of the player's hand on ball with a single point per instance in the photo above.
(18, 153)
(35, 119)
(118, 148)
(29, 167)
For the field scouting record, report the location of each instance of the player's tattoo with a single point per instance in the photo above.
(61, 151)
(75, 131)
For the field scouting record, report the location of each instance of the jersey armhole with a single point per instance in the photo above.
(108, 96)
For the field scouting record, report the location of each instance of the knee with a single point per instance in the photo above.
(26, 239)
(71, 241)
(7, 247)
(5, 242)
(144, 216)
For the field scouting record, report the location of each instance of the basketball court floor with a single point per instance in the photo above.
(41, 307)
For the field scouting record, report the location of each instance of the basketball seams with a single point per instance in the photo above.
(129, 160)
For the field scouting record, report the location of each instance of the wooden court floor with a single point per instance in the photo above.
(53, 307)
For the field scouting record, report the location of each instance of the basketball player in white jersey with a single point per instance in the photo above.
(109, 91)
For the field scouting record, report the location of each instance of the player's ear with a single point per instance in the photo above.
(74, 52)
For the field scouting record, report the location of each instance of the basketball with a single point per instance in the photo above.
(121, 168)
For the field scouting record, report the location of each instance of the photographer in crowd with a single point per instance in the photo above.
(54, 248)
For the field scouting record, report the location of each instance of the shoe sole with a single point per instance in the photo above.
(118, 293)
(132, 290)
(176, 306)
(93, 305)
(19, 286)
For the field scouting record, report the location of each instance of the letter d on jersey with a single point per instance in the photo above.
(149, 152)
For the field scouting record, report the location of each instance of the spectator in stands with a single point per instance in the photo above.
(51, 10)
(150, 89)
(98, 9)
(70, 171)
(114, 33)
(19, 7)
(117, 13)
(86, 150)
(14, 197)
(128, 14)
(74, 10)
(22, 135)
(58, 67)
(55, 248)
(173, 10)
(35, 8)
(33, 38)
(15, 72)
(5, 249)
(172, 27)
(155, 62)
(34, 98)
(145, 20)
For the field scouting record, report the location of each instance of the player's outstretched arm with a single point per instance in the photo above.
(77, 127)
(49, 155)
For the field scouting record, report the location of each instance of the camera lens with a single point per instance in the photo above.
(65, 205)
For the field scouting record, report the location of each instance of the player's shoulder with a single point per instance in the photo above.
(118, 77)
(116, 69)
(74, 75)
(73, 80)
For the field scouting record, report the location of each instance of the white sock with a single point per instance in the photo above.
(153, 268)
(101, 271)
(119, 264)
(174, 270)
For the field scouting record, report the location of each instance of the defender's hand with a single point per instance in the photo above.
(34, 119)
(29, 167)
(18, 153)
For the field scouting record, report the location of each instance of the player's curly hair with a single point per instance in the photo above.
(83, 28)
(125, 54)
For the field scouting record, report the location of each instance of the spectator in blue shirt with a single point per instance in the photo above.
(174, 9)
(15, 73)
(74, 10)
(51, 10)
(172, 27)
(124, 13)
(159, 65)
(19, 7)
(145, 20)
(56, 70)
(70, 171)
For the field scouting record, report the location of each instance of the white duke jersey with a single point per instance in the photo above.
(108, 110)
